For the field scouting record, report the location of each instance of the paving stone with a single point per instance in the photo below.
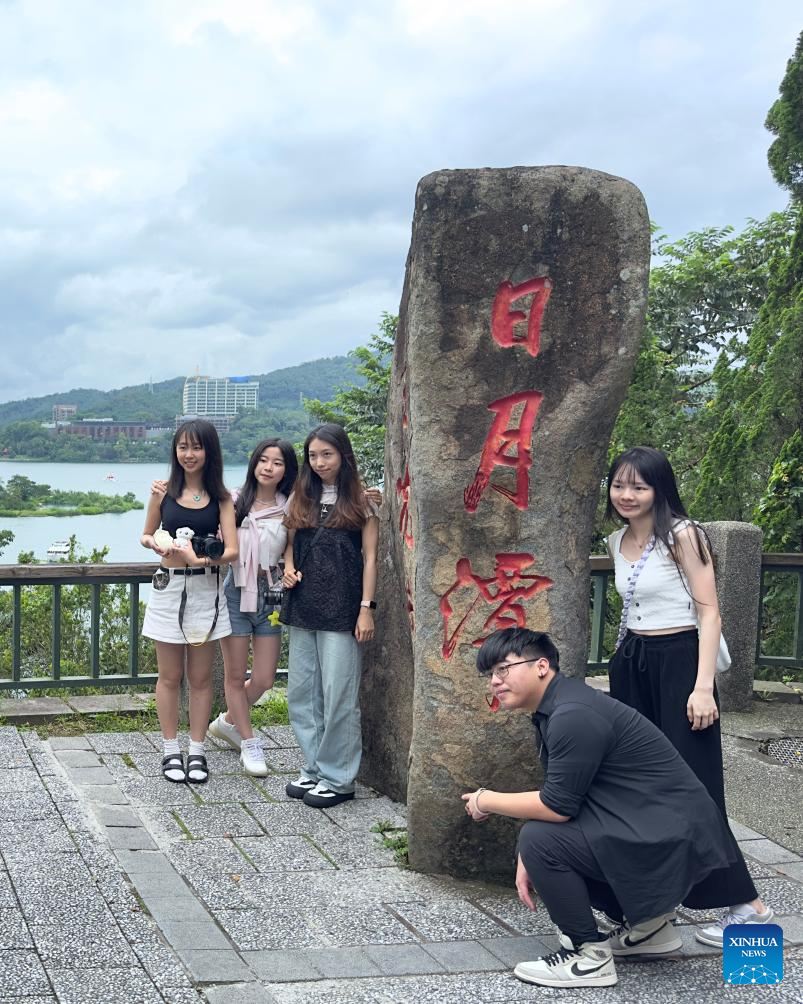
(71, 759)
(770, 852)
(230, 788)
(270, 854)
(758, 870)
(155, 791)
(22, 975)
(20, 779)
(7, 896)
(284, 761)
(402, 960)
(165, 907)
(135, 862)
(351, 850)
(103, 703)
(215, 854)
(13, 930)
(132, 838)
(29, 805)
(794, 869)
(32, 709)
(218, 821)
(510, 911)
(450, 921)
(106, 794)
(289, 818)
(59, 945)
(121, 742)
(87, 986)
(89, 775)
(174, 995)
(350, 925)
(512, 951)
(463, 956)
(218, 890)
(272, 788)
(216, 966)
(282, 735)
(283, 966)
(161, 883)
(352, 963)
(792, 928)
(44, 763)
(362, 814)
(33, 838)
(742, 832)
(114, 815)
(783, 895)
(251, 930)
(193, 934)
(137, 927)
(239, 993)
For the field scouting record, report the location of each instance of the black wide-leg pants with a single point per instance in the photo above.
(655, 675)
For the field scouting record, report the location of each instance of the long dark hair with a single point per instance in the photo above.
(248, 492)
(350, 511)
(204, 434)
(654, 469)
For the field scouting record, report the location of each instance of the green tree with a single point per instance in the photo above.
(759, 404)
(363, 409)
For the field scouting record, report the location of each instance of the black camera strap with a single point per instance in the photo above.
(314, 540)
(183, 605)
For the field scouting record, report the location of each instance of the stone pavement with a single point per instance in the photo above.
(116, 886)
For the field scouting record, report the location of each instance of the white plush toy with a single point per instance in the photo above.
(163, 539)
(183, 537)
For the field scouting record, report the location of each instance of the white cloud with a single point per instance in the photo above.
(230, 182)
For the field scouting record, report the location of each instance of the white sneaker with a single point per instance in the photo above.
(252, 757)
(742, 914)
(590, 965)
(650, 937)
(221, 729)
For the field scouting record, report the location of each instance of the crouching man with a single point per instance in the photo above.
(621, 823)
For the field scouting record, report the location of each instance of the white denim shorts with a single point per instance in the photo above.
(161, 614)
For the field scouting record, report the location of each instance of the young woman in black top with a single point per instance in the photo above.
(187, 608)
(330, 577)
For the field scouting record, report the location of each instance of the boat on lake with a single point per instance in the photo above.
(58, 550)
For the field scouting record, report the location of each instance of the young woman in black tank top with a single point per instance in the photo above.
(190, 612)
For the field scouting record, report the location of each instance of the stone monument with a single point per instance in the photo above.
(520, 323)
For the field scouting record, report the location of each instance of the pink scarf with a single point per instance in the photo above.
(246, 567)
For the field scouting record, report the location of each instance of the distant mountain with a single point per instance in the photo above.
(279, 390)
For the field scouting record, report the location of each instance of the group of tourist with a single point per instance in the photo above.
(301, 550)
(631, 817)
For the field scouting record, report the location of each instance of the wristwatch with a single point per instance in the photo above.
(368, 604)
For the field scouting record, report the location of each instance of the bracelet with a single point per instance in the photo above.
(477, 800)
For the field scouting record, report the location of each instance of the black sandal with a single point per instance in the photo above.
(174, 761)
(197, 762)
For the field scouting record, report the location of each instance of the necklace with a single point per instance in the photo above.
(199, 496)
(263, 503)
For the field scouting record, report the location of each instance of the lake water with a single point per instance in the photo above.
(119, 531)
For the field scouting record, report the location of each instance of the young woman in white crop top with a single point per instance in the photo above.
(665, 661)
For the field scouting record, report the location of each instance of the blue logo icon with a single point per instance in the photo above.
(752, 954)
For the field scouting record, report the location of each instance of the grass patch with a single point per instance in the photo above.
(394, 839)
(79, 725)
(272, 711)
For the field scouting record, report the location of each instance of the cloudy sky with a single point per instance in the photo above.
(229, 183)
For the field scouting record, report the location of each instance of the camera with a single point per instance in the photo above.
(273, 588)
(209, 546)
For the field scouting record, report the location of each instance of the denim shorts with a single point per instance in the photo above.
(254, 623)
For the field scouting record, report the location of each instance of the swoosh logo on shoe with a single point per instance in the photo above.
(629, 942)
(575, 969)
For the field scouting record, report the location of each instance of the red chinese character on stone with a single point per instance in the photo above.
(508, 588)
(504, 320)
(503, 438)
(405, 519)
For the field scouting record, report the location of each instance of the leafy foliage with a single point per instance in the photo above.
(363, 409)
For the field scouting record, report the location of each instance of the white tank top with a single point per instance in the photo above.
(662, 598)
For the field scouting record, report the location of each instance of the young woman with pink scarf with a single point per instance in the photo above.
(259, 509)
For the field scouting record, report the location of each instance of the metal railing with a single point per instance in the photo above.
(95, 577)
(785, 564)
(18, 577)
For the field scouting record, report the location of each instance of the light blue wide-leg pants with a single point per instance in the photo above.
(323, 695)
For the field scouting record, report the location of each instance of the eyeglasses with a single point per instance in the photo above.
(501, 669)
